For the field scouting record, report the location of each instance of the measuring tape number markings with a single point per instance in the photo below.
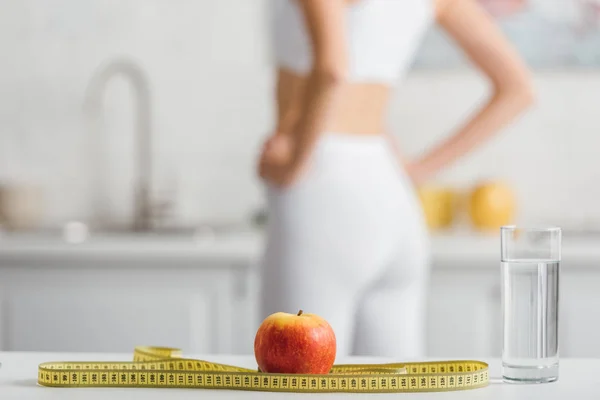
(162, 367)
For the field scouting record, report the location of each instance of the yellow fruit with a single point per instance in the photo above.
(491, 205)
(438, 206)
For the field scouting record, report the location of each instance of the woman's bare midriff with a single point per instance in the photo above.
(360, 108)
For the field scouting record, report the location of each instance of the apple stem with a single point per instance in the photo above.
(299, 312)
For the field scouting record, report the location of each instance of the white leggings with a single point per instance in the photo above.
(348, 242)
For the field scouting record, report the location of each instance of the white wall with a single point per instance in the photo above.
(211, 92)
(549, 155)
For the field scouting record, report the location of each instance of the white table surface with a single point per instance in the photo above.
(18, 380)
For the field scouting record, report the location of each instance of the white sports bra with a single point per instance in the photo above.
(382, 37)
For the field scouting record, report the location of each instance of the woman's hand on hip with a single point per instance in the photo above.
(417, 174)
(278, 164)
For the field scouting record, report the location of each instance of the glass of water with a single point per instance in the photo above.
(530, 259)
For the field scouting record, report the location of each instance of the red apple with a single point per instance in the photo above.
(295, 344)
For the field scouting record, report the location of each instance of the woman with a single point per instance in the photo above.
(346, 237)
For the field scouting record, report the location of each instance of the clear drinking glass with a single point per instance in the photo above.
(530, 259)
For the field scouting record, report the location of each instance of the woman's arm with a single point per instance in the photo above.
(325, 24)
(284, 156)
(482, 41)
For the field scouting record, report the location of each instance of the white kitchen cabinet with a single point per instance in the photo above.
(112, 309)
(246, 318)
(578, 313)
(215, 310)
(463, 313)
(465, 317)
(112, 296)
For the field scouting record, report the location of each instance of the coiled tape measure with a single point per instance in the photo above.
(161, 367)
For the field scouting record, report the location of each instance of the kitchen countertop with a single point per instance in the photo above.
(18, 380)
(454, 249)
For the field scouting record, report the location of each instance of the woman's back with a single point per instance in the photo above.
(381, 38)
(338, 60)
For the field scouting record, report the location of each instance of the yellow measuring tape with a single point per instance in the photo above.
(161, 367)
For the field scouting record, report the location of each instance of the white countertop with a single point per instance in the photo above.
(18, 380)
(456, 249)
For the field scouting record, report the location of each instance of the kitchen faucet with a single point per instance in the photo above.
(143, 213)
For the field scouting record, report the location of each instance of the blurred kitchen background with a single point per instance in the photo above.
(130, 209)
